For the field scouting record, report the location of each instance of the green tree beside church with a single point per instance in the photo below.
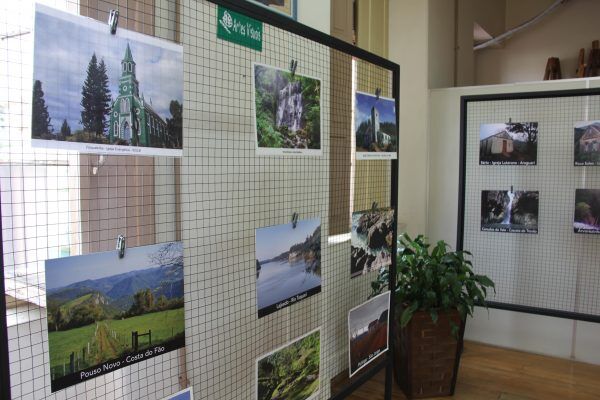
(95, 98)
(40, 118)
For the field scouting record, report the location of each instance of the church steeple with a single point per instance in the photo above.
(127, 64)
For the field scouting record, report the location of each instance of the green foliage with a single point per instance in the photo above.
(175, 124)
(434, 280)
(95, 98)
(65, 129)
(291, 373)
(40, 118)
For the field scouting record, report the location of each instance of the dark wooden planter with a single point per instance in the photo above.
(427, 355)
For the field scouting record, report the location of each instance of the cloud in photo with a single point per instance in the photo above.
(63, 47)
(364, 103)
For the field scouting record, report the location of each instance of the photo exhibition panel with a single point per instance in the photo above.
(192, 200)
(532, 202)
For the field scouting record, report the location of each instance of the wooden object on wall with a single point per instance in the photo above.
(372, 23)
(552, 69)
(580, 73)
(593, 66)
(342, 20)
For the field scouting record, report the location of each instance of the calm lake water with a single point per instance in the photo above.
(278, 281)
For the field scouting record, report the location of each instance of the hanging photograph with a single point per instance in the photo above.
(288, 264)
(375, 127)
(514, 143)
(287, 112)
(587, 144)
(587, 211)
(95, 92)
(371, 240)
(106, 312)
(292, 372)
(285, 7)
(509, 211)
(368, 331)
(185, 394)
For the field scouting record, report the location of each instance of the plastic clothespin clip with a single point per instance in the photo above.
(113, 21)
(121, 246)
(511, 189)
(293, 66)
(294, 220)
(374, 206)
(377, 93)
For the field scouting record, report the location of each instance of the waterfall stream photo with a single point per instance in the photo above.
(287, 112)
(509, 211)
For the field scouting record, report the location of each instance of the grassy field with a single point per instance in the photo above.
(111, 338)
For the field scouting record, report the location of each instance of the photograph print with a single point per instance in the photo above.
(509, 211)
(95, 92)
(587, 211)
(368, 331)
(587, 144)
(288, 264)
(292, 372)
(371, 240)
(375, 127)
(287, 112)
(106, 312)
(513, 143)
(285, 7)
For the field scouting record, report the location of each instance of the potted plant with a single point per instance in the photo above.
(436, 289)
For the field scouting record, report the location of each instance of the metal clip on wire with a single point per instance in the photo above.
(121, 246)
(113, 21)
(294, 220)
(377, 93)
(374, 206)
(293, 66)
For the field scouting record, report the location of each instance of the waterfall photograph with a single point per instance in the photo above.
(375, 127)
(287, 112)
(587, 211)
(513, 143)
(509, 211)
(368, 331)
(288, 264)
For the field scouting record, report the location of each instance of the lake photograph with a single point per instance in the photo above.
(288, 264)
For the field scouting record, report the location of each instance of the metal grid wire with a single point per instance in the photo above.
(555, 269)
(54, 204)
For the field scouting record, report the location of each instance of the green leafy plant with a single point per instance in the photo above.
(434, 280)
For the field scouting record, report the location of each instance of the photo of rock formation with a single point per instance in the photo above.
(371, 239)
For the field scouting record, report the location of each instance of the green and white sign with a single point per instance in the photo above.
(239, 29)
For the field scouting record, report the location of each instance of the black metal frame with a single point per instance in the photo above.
(464, 101)
(285, 23)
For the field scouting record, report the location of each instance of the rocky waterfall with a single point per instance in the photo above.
(289, 107)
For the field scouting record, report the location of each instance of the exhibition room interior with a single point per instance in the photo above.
(299, 199)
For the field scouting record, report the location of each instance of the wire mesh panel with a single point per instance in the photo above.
(551, 267)
(59, 203)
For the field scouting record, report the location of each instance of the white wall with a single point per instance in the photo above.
(316, 14)
(545, 335)
(408, 32)
(523, 57)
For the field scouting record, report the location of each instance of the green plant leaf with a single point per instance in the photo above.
(434, 315)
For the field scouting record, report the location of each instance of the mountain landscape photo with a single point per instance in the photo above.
(105, 316)
(288, 262)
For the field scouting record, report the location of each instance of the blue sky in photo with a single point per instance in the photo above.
(67, 270)
(487, 130)
(364, 103)
(271, 241)
(63, 49)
